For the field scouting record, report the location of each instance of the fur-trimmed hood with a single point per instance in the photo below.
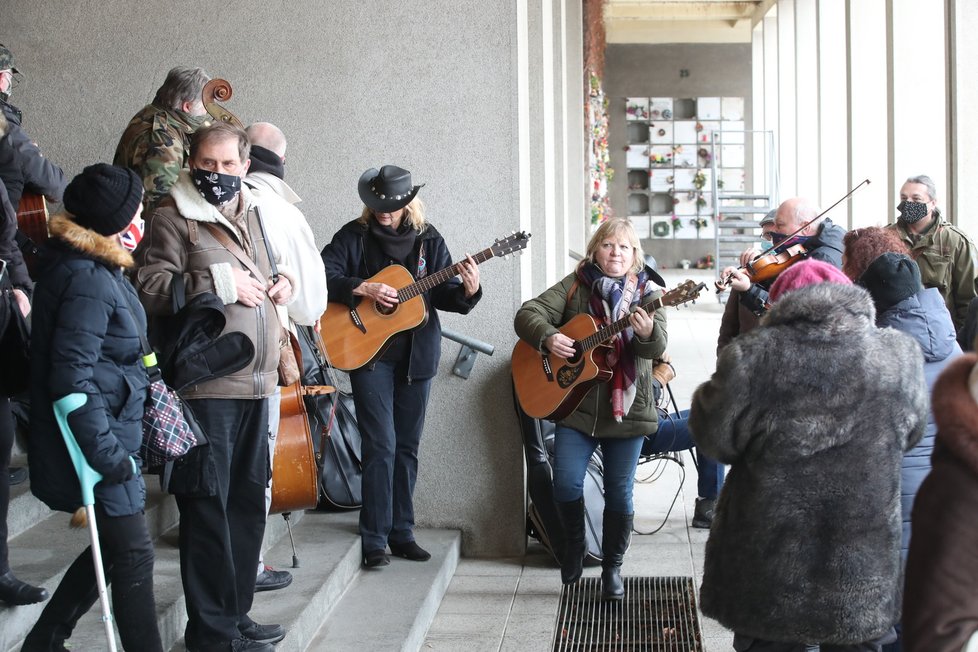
(103, 248)
(192, 206)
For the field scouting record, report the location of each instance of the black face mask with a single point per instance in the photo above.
(216, 188)
(912, 212)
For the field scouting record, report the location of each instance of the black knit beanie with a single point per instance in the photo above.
(890, 279)
(104, 198)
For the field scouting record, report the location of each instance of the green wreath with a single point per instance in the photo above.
(660, 229)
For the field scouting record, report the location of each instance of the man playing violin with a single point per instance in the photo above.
(737, 318)
(795, 223)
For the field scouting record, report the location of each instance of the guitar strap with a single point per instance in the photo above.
(573, 289)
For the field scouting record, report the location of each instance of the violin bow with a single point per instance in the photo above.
(775, 249)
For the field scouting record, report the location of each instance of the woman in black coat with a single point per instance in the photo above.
(86, 339)
(391, 392)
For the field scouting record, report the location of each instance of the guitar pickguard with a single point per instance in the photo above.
(567, 376)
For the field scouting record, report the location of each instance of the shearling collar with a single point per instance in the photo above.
(833, 307)
(192, 206)
(105, 249)
(956, 411)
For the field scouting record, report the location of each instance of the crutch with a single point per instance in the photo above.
(88, 477)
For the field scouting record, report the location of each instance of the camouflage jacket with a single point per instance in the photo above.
(156, 144)
(946, 257)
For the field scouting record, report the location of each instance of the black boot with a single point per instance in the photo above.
(572, 518)
(616, 533)
(15, 592)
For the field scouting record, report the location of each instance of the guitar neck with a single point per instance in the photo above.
(605, 333)
(423, 285)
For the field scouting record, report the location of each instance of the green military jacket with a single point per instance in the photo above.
(946, 257)
(156, 145)
(540, 318)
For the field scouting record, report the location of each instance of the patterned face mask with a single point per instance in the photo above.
(216, 188)
(132, 235)
(912, 212)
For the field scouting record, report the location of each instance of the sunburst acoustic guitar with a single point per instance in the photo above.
(549, 387)
(355, 336)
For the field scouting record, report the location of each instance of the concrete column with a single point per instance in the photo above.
(785, 62)
(918, 92)
(867, 113)
(806, 106)
(959, 198)
(771, 88)
(832, 101)
(523, 146)
(576, 208)
(759, 153)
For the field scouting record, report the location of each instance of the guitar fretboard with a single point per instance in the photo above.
(607, 332)
(423, 285)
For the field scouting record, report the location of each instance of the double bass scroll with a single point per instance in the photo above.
(219, 90)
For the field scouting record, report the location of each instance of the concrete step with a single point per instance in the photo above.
(391, 608)
(42, 553)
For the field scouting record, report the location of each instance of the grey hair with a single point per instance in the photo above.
(182, 85)
(925, 181)
(267, 135)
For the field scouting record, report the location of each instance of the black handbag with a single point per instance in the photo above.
(335, 433)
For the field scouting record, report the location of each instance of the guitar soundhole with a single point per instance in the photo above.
(384, 310)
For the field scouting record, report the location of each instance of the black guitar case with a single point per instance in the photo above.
(543, 523)
(340, 469)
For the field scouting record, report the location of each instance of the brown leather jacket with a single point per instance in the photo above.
(177, 240)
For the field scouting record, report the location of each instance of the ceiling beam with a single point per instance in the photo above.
(679, 10)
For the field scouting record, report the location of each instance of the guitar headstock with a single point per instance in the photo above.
(683, 293)
(510, 244)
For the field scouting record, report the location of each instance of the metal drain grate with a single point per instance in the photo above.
(658, 614)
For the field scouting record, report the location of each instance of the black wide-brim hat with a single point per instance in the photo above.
(387, 189)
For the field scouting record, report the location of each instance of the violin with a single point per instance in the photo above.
(767, 265)
(773, 260)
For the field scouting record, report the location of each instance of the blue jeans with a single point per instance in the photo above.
(573, 449)
(673, 435)
(390, 413)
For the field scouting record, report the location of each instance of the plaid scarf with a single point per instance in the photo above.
(612, 299)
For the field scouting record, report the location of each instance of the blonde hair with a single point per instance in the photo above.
(413, 214)
(615, 227)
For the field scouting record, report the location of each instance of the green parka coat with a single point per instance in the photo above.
(539, 318)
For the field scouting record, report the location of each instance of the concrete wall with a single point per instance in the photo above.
(431, 85)
(653, 71)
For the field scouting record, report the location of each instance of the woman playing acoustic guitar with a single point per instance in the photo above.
(608, 284)
(391, 391)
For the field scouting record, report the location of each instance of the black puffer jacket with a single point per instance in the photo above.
(85, 339)
(22, 166)
(353, 257)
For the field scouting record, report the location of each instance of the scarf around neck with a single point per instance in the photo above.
(396, 244)
(611, 300)
(265, 160)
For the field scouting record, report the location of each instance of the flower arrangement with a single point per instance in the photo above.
(676, 224)
(699, 179)
(698, 223)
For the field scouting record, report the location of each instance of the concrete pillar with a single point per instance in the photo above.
(832, 102)
(787, 150)
(806, 105)
(867, 113)
(771, 86)
(918, 92)
(959, 200)
(577, 213)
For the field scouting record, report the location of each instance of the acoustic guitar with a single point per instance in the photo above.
(354, 337)
(549, 387)
(32, 224)
(295, 476)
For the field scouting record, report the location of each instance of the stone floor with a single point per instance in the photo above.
(511, 604)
